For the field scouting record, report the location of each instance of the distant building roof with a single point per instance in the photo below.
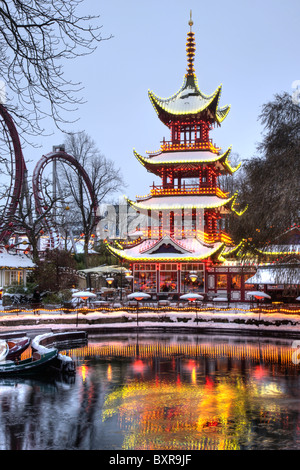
(14, 260)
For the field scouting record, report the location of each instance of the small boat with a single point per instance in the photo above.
(17, 347)
(36, 362)
(4, 349)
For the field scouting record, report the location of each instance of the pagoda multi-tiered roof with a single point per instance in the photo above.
(190, 115)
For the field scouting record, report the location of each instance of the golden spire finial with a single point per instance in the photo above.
(191, 21)
(190, 48)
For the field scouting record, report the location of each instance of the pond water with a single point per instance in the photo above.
(164, 392)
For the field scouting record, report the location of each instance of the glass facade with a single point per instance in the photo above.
(169, 277)
(248, 286)
(236, 281)
(181, 278)
(191, 283)
(145, 277)
(13, 277)
(221, 281)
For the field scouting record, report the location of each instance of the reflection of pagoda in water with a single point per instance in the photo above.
(183, 233)
(196, 396)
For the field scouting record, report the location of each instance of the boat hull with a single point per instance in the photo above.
(33, 364)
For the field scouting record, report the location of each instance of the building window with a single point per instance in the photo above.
(222, 281)
(145, 277)
(13, 277)
(192, 285)
(248, 286)
(145, 281)
(236, 281)
(168, 279)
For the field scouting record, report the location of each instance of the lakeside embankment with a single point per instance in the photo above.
(236, 320)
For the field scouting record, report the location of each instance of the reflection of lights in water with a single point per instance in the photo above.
(192, 410)
(151, 413)
(83, 372)
(270, 389)
(268, 353)
(209, 383)
(193, 375)
(109, 372)
(191, 367)
(139, 366)
(260, 372)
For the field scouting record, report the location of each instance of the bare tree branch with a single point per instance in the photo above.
(36, 37)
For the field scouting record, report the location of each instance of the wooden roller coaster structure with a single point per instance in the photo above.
(18, 184)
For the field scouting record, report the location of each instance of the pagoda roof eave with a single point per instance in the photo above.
(189, 101)
(154, 163)
(181, 202)
(131, 256)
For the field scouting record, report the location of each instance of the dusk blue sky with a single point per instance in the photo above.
(250, 47)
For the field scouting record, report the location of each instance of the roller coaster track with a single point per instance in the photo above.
(17, 179)
(18, 184)
(37, 179)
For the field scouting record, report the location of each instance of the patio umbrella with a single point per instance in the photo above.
(298, 298)
(259, 295)
(138, 296)
(112, 269)
(192, 297)
(84, 295)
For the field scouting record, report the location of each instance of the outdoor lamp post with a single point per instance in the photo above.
(138, 296)
(84, 296)
(129, 278)
(109, 280)
(191, 297)
(258, 295)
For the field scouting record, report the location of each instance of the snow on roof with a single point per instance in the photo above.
(291, 249)
(190, 100)
(181, 202)
(77, 246)
(191, 248)
(276, 275)
(14, 260)
(184, 156)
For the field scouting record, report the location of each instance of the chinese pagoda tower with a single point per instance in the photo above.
(182, 237)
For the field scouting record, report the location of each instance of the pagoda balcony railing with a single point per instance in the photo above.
(178, 145)
(187, 189)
